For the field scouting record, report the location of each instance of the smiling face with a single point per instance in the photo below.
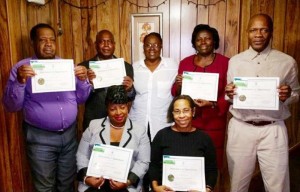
(44, 43)
(117, 114)
(204, 43)
(105, 44)
(259, 33)
(152, 48)
(182, 113)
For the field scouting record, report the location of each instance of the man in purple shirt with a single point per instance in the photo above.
(49, 118)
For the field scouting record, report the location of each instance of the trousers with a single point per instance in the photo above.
(52, 158)
(268, 144)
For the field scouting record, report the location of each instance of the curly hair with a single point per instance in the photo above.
(213, 31)
(116, 94)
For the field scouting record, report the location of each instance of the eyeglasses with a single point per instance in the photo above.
(154, 46)
(184, 112)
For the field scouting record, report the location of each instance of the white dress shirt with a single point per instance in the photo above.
(153, 93)
(268, 63)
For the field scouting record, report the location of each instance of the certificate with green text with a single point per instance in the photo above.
(200, 85)
(256, 93)
(108, 72)
(110, 162)
(53, 75)
(182, 173)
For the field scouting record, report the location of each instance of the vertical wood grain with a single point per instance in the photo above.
(188, 22)
(80, 27)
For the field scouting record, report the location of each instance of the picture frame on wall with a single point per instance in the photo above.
(141, 25)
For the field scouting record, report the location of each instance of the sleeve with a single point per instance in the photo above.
(175, 89)
(83, 154)
(229, 78)
(211, 172)
(141, 164)
(292, 81)
(155, 168)
(14, 93)
(83, 89)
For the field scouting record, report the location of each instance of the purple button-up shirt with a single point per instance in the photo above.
(50, 111)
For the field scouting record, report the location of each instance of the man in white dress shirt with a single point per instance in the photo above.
(261, 134)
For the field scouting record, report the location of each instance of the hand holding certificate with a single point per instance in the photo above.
(184, 173)
(108, 72)
(53, 75)
(256, 93)
(110, 162)
(200, 85)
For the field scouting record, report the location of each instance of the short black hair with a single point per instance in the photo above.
(153, 34)
(170, 116)
(203, 27)
(267, 17)
(34, 29)
(116, 94)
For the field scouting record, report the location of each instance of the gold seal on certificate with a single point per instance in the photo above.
(242, 98)
(41, 81)
(171, 177)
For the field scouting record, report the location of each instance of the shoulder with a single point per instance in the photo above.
(86, 62)
(163, 132)
(170, 61)
(188, 58)
(137, 128)
(222, 57)
(281, 55)
(95, 125)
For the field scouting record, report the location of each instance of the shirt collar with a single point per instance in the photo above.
(264, 54)
(162, 63)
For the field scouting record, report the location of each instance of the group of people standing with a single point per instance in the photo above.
(149, 115)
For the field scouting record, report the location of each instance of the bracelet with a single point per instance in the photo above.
(85, 177)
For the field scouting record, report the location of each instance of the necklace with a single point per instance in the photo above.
(116, 127)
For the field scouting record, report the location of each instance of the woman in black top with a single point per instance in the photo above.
(182, 139)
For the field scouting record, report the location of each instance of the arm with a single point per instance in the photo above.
(82, 157)
(141, 164)
(211, 173)
(83, 87)
(14, 94)
(289, 92)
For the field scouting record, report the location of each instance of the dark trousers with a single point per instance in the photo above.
(52, 158)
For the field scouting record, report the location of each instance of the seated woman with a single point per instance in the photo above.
(117, 130)
(182, 139)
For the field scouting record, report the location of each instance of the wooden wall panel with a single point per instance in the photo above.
(231, 41)
(80, 27)
(217, 12)
(188, 22)
(175, 25)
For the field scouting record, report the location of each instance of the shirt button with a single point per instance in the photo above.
(258, 62)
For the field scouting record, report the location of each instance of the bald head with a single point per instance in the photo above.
(262, 16)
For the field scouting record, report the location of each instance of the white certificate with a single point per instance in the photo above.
(53, 75)
(184, 173)
(256, 93)
(110, 162)
(108, 72)
(200, 85)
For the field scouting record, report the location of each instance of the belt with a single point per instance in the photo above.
(260, 123)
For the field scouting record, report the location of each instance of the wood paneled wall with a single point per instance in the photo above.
(80, 26)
